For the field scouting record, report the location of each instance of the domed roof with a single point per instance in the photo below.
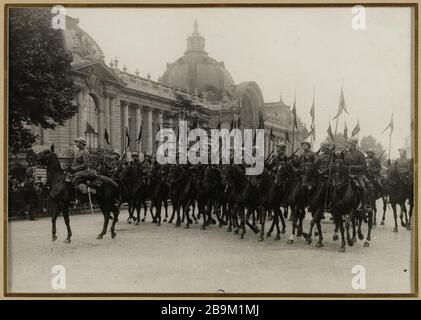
(197, 71)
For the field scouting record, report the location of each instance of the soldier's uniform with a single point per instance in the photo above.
(81, 165)
(356, 162)
(373, 169)
(403, 166)
(323, 160)
(278, 158)
(136, 163)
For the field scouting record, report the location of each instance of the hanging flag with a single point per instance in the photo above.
(232, 124)
(390, 125)
(106, 136)
(312, 132)
(89, 128)
(356, 129)
(261, 121)
(271, 135)
(330, 133)
(294, 113)
(342, 106)
(287, 136)
(127, 137)
(139, 137)
(239, 122)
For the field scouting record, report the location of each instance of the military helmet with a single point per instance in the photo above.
(402, 149)
(370, 151)
(281, 145)
(306, 142)
(325, 145)
(81, 140)
(135, 154)
(353, 141)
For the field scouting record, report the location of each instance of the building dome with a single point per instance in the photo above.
(197, 71)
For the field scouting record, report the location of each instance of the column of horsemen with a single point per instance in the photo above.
(342, 182)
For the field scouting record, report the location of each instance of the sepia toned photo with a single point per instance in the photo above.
(206, 150)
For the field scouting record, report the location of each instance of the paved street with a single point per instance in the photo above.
(148, 258)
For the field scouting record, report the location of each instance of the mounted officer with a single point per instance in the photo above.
(136, 163)
(279, 157)
(30, 191)
(373, 169)
(323, 159)
(357, 164)
(306, 154)
(403, 166)
(81, 168)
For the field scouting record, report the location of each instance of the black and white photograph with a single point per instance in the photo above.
(210, 150)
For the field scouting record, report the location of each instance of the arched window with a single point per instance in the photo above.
(91, 125)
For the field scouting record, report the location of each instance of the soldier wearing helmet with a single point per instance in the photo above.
(279, 157)
(373, 169)
(403, 165)
(323, 160)
(80, 166)
(357, 164)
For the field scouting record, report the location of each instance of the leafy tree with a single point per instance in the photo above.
(339, 140)
(41, 89)
(368, 142)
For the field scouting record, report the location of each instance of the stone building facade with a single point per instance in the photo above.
(112, 99)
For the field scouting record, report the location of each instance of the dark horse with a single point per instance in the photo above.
(345, 202)
(62, 192)
(315, 186)
(400, 189)
(244, 196)
(270, 198)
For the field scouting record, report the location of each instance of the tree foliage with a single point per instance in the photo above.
(41, 90)
(368, 142)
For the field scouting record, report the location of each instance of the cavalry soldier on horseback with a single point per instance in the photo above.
(357, 164)
(403, 166)
(373, 169)
(307, 155)
(135, 162)
(278, 157)
(323, 160)
(81, 167)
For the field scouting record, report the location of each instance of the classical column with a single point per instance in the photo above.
(101, 141)
(125, 122)
(138, 127)
(80, 114)
(150, 130)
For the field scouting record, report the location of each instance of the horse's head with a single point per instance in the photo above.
(340, 174)
(282, 173)
(45, 157)
(309, 176)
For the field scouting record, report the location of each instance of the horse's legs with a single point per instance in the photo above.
(145, 210)
(53, 222)
(395, 216)
(67, 222)
(315, 221)
(384, 209)
(262, 213)
(347, 225)
(106, 214)
(370, 226)
(294, 224)
(280, 215)
(166, 210)
(404, 213)
(115, 220)
(342, 229)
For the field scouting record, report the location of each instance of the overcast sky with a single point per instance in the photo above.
(284, 50)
